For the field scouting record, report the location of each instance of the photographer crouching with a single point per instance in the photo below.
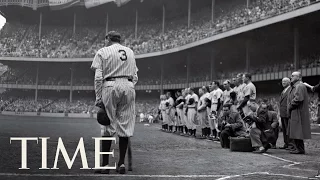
(231, 125)
(263, 128)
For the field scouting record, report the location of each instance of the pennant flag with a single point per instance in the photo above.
(94, 3)
(62, 4)
(121, 2)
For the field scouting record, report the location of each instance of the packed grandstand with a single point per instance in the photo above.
(22, 40)
(24, 37)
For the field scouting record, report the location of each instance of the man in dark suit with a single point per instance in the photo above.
(231, 125)
(284, 111)
(263, 134)
(299, 116)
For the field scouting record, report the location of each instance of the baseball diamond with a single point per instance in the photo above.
(189, 89)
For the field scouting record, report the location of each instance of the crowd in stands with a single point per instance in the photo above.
(83, 106)
(47, 105)
(19, 40)
(86, 106)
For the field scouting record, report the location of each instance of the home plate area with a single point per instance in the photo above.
(156, 154)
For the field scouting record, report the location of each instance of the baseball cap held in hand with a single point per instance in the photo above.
(102, 116)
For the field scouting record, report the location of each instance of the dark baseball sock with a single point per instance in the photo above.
(105, 147)
(186, 129)
(190, 131)
(194, 132)
(214, 133)
(123, 145)
(176, 128)
(202, 132)
(208, 131)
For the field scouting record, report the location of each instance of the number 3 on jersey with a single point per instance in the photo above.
(123, 55)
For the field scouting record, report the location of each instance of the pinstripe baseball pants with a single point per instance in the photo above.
(119, 99)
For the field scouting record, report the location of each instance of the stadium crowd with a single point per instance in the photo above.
(83, 106)
(20, 40)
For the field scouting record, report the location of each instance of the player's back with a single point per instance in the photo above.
(118, 60)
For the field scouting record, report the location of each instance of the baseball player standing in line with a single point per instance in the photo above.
(162, 108)
(185, 109)
(183, 115)
(216, 100)
(239, 86)
(171, 111)
(179, 110)
(192, 112)
(248, 105)
(202, 112)
(164, 112)
(115, 76)
(226, 92)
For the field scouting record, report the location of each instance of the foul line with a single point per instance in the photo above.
(292, 163)
(111, 175)
(264, 173)
(220, 177)
(281, 159)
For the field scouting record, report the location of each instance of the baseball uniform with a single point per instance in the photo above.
(214, 96)
(192, 113)
(115, 65)
(203, 114)
(226, 95)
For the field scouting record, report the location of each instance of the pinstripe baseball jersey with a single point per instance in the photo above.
(113, 61)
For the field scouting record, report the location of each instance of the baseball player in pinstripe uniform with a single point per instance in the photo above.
(183, 116)
(179, 109)
(171, 111)
(187, 124)
(192, 112)
(202, 112)
(216, 96)
(115, 76)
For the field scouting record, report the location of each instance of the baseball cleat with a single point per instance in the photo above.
(122, 169)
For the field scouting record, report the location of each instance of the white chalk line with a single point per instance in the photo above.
(264, 173)
(292, 163)
(279, 158)
(220, 177)
(111, 175)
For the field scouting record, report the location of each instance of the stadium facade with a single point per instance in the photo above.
(270, 47)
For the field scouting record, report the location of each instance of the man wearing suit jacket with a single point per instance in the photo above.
(284, 111)
(298, 106)
(263, 135)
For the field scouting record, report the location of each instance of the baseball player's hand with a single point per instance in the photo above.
(99, 103)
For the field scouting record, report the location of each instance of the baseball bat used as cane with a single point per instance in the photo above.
(129, 156)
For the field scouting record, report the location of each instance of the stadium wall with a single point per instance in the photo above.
(307, 72)
(70, 115)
